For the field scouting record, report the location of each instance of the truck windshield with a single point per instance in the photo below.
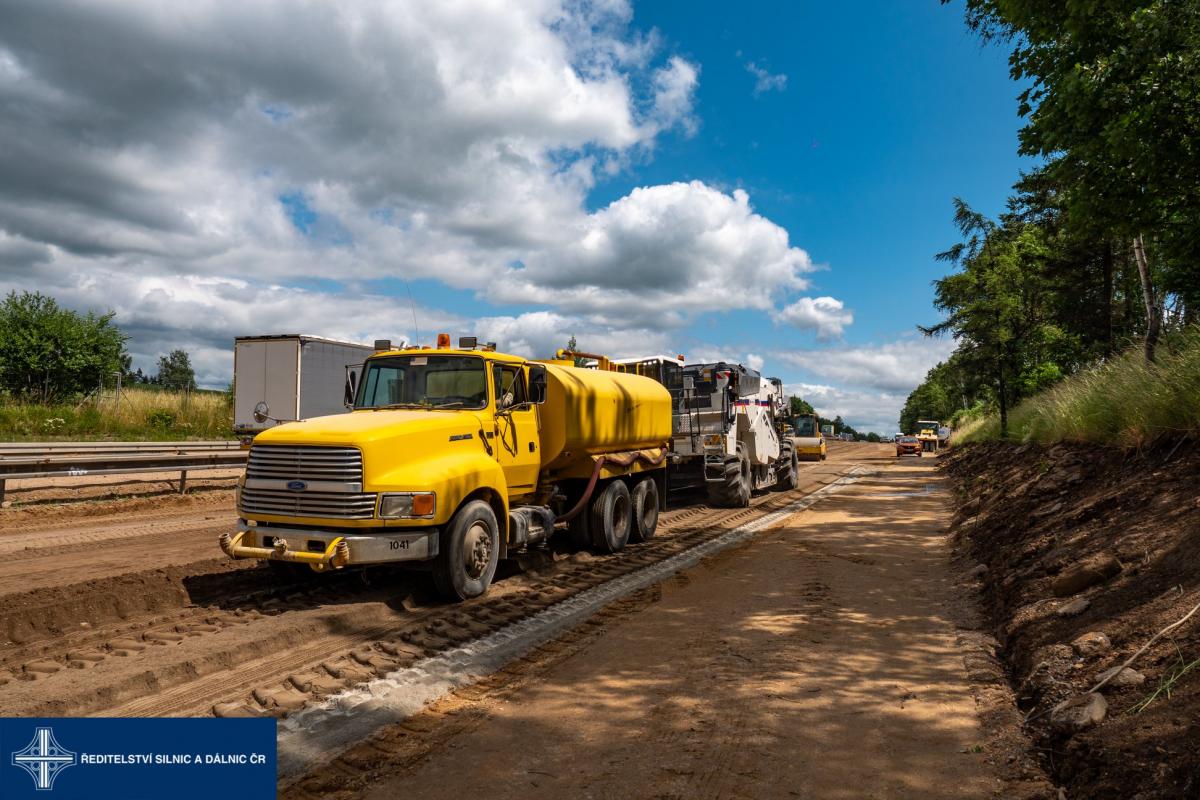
(419, 381)
(806, 426)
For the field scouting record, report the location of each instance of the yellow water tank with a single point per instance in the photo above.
(589, 412)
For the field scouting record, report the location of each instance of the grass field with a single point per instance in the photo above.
(1125, 401)
(141, 415)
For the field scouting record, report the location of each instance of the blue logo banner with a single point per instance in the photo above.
(137, 758)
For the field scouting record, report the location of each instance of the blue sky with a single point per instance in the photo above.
(765, 184)
(890, 110)
(878, 115)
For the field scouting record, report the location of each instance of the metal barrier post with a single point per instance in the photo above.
(183, 481)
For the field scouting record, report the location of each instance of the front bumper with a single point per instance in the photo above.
(323, 550)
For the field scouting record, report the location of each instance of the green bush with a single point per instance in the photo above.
(160, 418)
(51, 353)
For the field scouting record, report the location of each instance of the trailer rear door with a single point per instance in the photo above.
(266, 370)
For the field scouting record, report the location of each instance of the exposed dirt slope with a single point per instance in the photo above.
(1120, 531)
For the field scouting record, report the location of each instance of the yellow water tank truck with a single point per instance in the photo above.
(454, 458)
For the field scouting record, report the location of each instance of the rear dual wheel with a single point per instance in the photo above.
(611, 517)
(617, 516)
(645, 510)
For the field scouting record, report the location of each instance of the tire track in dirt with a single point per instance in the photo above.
(15, 547)
(276, 654)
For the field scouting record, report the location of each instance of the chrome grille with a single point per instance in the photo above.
(280, 462)
(285, 503)
(331, 478)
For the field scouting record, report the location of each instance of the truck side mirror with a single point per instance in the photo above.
(537, 384)
(351, 387)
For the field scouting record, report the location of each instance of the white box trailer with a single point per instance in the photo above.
(297, 376)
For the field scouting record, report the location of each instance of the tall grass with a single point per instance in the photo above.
(141, 414)
(1126, 401)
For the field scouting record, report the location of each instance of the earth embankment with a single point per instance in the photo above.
(1085, 553)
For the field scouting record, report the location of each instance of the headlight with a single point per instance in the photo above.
(408, 505)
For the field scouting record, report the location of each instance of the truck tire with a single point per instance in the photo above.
(734, 490)
(789, 467)
(468, 552)
(612, 517)
(645, 510)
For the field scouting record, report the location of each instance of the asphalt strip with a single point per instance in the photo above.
(326, 728)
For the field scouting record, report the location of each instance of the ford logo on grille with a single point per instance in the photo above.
(297, 486)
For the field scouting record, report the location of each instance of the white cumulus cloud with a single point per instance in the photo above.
(895, 367)
(222, 168)
(827, 316)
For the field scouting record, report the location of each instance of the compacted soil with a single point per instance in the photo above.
(1086, 553)
(833, 656)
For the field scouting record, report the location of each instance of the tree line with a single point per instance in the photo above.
(50, 354)
(1098, 247)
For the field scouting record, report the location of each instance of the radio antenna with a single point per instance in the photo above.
(413, 306)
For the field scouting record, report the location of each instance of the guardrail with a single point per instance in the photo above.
(91, 448)
(80, 459)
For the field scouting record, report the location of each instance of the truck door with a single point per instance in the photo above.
(516, 440)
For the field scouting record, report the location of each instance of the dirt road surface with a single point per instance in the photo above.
(819, 660)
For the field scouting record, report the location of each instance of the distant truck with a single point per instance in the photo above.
(454, 458)
(927, 434)
(289, 377)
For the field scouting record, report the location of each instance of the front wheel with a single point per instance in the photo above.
(468, 553)
(733, 491)
(789, 467)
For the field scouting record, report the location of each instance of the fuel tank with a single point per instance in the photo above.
(589, 412)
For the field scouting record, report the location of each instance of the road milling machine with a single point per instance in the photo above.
(727, 427)
(728, 420)
(454, 458)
